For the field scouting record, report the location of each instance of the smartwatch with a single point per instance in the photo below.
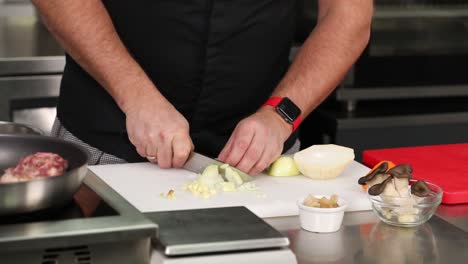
(286, 109)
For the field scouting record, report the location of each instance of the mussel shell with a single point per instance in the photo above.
(377, 189)
(382, 168)
(400, 170)
(420, 188)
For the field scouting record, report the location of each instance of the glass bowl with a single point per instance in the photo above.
(407, 212)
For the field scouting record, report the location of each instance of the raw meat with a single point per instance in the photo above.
(40, 164)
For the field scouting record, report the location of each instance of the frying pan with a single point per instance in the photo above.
(42, 193)
(17, 128)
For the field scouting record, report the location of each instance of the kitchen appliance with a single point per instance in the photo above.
(37, 112)
(40, 193)
(98, 226)
(31, 64)
(417, 50)
(214, 230)
(17, 128)
(276, 256)
(145, 186)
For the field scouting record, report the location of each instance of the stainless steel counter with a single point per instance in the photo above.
(365, 239)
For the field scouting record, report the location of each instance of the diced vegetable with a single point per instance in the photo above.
(210, 176)
(233, 176)
(323, 202)
(170, 195)
(228, 186)
(218, 178)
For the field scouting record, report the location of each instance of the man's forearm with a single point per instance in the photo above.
(85, 30)
(341, 34)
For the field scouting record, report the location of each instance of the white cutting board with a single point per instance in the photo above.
(142, 183)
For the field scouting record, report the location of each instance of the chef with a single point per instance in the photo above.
(154, 79)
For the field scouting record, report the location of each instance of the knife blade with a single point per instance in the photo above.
(198, 162)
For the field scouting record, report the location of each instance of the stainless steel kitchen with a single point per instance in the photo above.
(218, 131)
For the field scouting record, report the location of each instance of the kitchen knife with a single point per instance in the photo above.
(198, 162)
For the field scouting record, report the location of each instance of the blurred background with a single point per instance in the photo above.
(409, 88)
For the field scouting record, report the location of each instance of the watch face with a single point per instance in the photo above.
(288, 110)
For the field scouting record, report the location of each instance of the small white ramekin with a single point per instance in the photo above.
(321, 220)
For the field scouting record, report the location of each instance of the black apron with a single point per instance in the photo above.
(216, 61)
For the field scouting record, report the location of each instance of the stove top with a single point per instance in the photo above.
(90, 229)
(72, 210)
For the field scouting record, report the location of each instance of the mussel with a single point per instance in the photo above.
(378, 188)
(420, 188)
(401, 170)
(382, 168)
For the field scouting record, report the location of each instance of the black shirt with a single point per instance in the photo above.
(216, 61)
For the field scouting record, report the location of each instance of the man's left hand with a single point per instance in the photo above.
(257, 141)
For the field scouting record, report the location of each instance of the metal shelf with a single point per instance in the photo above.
(401, 92)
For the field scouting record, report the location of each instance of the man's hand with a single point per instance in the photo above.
(257, 141)
(154, 126)
(158, 131)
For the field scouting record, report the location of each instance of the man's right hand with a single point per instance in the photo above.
(158, 131)
(154, 126)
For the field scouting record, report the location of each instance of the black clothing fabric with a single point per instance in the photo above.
(216, 61)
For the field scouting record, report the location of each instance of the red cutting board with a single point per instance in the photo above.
(444, 165)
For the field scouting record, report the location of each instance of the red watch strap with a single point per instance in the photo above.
(296, 123)
(274, 101)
